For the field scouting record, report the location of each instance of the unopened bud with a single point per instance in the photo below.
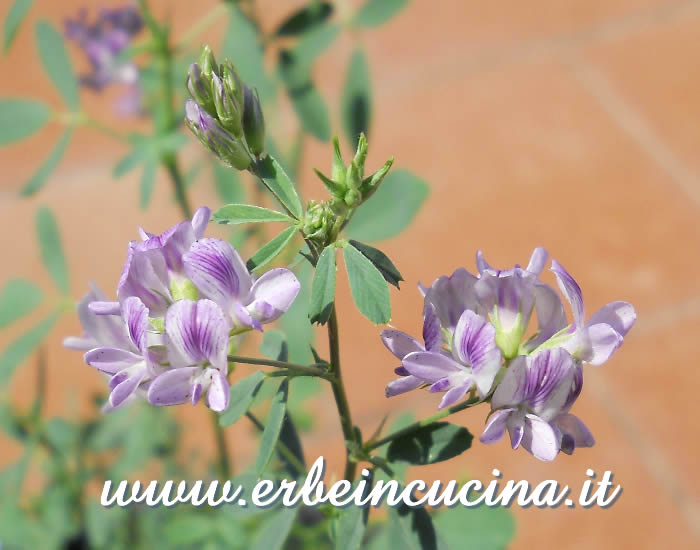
(226, 109)
(232, 82)
(338, 168)
(353, 177)
(207, 62)
(200, 88)
(371, 183)
(361, 154)
(253, 122)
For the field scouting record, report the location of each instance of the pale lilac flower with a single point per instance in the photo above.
(196, 339)
(103, 41)
(401, 344)
(474, 362)
(451, 296)
(131, 363)
(574, 433)
(533, 394)
(220, 274)
(594, 341)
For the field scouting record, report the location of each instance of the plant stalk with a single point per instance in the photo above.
(223, 461)
(312, 370)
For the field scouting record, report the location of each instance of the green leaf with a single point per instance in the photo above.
(278, 182)
(323, 288)
(357, 101)
(369, 289)
(23, 346)
(189, 529)
(242, 46)
(14, 19)
(296, 325)
(247, 213)
(376, 12)
(488, 528)
(39, 178)
(242, 395)
(273, 344)
(305, 19)
(350, 528)
(381, 261)
(148, 179)
(290, 437)
(228, 184)
(270, 250)
(18, 297)
(312, 111)
(273, 426)
(51, 249)
(54, 58)
(430, 444)
(274, 531)
(127, 163)
(391, 209)
(312, 44)
(411, 529)
(20, 118)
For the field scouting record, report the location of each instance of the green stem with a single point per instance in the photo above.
(313, 370)
(371, 445)
(341, 398)
(171, 165)
(282, 449)
(223, 462)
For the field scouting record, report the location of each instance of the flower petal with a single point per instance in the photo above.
(111, 360)
(574, 433)
(432, 331)
(455, 394)
(173, 387)
(126, 388)
(200, 220)
(135, 316)
(451, 296)
(619, 315)
(540, 439)
(551, 317)
(604, 341)
(496, 426)
(570, 289)
(550, 376)
(218, 271)
(430, 366)
(511, 389)
(516, 432)
(402, 385)
(100, 307)
(399, 343)
(145, 275)
(537, 260)
(197, 332)
(219, 391)
(474, 342)
(273, 294)
(481, 264)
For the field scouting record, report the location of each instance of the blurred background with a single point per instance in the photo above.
(567, 124)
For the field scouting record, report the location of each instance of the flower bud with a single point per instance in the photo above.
(232, 82)
(253, 122)
(207, 62)
(227, 110)
(200, 89)
(353, 177)
(214, 137)
(338, 169)
(361, 154)
(371, 184)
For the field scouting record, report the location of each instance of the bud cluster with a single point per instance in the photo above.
(223, 112)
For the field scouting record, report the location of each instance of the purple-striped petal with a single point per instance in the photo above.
(619, 315)
(481, 264)
(126, 388)
(111, 360)
(399, 343)
(242, 318)
(197, 332)
(516, 430)
(174, 243)
(135, 316)
(570, 289)
(604, 341)
(273, 294)
(100, 307)
(474, 342)
(450, 296)
(145, 276)
(218, 271)
(173, 387)
(511, 389)
(432, 331)
(550, 375)
(496, 426)
(551, 317)
(430, 366)
(219, 391)
(540, 439)
(402, 385)
(441, 385)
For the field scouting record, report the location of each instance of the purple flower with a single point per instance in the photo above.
(594, 341)
(401, 344)
(531, 398)
(131, 363)
(474, 362)
(102, 42)
(196, 338)
(218, 271)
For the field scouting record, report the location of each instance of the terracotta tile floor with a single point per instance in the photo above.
(568, 124)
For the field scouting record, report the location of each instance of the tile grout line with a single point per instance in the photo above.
(634, 125)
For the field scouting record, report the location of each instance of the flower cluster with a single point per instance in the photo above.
(223, 112)
(103, 42)
(181, 298)
(475, 340)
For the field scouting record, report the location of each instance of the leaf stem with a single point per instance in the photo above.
(313, 370)
(371, 445)
(223, 461)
